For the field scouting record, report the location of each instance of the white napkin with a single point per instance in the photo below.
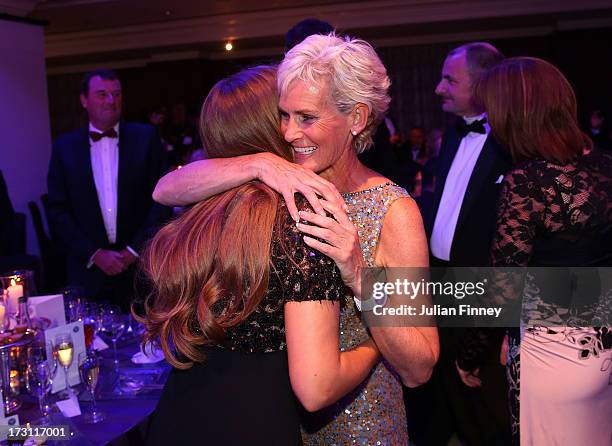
(149, 355)
(70, 407)
(98, 344)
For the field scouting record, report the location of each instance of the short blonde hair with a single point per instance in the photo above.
(353, 70)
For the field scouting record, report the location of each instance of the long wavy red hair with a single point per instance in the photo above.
(209, 268)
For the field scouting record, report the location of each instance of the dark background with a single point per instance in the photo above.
(584, 56)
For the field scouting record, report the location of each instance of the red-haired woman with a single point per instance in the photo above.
(555, 211)
(244, 311)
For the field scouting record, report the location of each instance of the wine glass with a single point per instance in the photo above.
(72, 301)
(113, 326)
(91, 322)
(39, 376)
(89, 368)
(64, 350)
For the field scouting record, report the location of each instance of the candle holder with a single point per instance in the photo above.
(22, 279)
(9, 403)
(17, 285)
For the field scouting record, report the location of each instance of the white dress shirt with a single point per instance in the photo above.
(105, 167)
(453, 193)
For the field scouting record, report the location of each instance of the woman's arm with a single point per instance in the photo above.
(203, 179)
(412, 351)
(320, 373)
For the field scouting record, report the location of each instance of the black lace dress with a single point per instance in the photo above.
(558, 216)
(242, 395)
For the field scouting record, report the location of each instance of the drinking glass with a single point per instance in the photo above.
(134, 327)
(39, 376)
(89, 368)
(4, 317)
(90, 315)
(72, 302)
(113, 326)
(64, 350)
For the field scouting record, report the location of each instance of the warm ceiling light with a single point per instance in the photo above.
(229, 46)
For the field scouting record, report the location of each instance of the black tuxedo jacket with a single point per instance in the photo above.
(74, 209)
(477, 218)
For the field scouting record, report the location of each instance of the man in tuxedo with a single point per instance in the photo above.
(416, 144)
(100, 183)
(471, 165)
(461, 225)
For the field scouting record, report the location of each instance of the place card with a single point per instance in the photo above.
(69, 407)
(12, 421)
(98, 344)
(50, 307)
(76, 332)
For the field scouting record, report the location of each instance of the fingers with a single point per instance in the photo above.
(319, 246)
(291, 207)
(314, 201)
(319, 220)
(110, 262)
(117, 263)
(116, 255)
(329, 230)
(341, 225)
(470, 379)
(322, 233)
(503, 354)
(116, 267)
(328, 191)
(339, 212)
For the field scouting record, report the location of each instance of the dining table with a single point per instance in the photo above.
(127, 394)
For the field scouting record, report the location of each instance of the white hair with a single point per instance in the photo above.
(353, 72)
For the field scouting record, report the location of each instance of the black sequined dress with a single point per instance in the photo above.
(242, 395)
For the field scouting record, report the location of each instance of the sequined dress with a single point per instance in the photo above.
(374, 413)
(242, 394)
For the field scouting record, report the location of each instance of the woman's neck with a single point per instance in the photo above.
(348, 174)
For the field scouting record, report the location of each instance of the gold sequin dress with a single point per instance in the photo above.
(374, 413)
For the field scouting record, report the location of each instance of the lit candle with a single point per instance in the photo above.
(15, 291)
(14, 382)
(2, 314)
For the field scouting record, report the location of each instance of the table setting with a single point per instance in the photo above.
(72, 367)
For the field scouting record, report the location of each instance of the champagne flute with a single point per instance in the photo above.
(64, 350)
(89, 368)
(38, 383)
(39, 376)
(113, 326)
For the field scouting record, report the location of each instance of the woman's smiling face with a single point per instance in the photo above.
(310, 122)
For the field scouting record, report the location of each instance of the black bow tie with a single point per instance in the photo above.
(97, 136)
(463, 128)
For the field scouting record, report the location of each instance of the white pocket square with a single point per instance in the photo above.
(500, 179)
